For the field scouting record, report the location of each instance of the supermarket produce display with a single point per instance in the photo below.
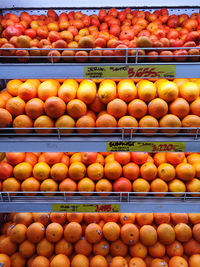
(105, 104)
(77, 239)
(80, 37)
(90, 172)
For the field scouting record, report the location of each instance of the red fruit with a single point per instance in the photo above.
(6, 170)
(122, 185)
(88, 157)
(31, 33)
(102, 14)
(173, 21)
(12, 31)
(182, 55)
(139, 157)
(126, 35)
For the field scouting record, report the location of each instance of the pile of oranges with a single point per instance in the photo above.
(89, 172)
(102, 104)
(100, 240)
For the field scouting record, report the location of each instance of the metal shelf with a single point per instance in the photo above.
(124, 202)
(123, 139)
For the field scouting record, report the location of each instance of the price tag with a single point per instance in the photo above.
(85, 208)
(146, 146)
(142, 71)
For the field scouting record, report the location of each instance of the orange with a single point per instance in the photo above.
(23, 217)
(49, 185)
(170, 121)
(60, 260)
(107, 91)
(67, 90)
(80, 260)
(179, 107)
(160, 218)
(72, 232)
(2, 102)
(101, 248)
(22, 170)
(166, 172)
(75, 217)
(43, 122)
(12, 87)
(15, 106)
(141, 185)
(157, 250)
(30, 184)
(47, 89)
(129, 234)
(6, 96)
(83, 247)
(189, 91)
(59, 171)
(118, 262)
(95, 171)
(137, 262)
(14, 158)
(27, 91)
(86, 185)
(87, 91)
(126, 90)
(105, 121)
(60, 217)
(110, 217)
(179, 82)
(175, 249)
(193, 158)
(148, 122)
(128, 122)
(35, 82)
(68, 185)
(98, 261)
(26, 249)
(40, 261)
(41, 171)
(76, 108)
(91, 218)
(117, 108)
(75, 157)
(194, 260)
(109, 158)
(35, 232)
(146, 90)
(113, 170)
(65, 121)
(131, 171)
(177, 185)
(52, 158)
(195, 107)
(183, 232)
(118, 248)
(148, 171)
(31, 158)
(185, 171)
(144, 218)
(139, 157)
(148, 235)
(177, 261)
(54, 232)
(18, 233)
(23, 121)
(45, 248)
(11, 185)
(148, 261)
(5, 118)
(42, 218)
(103, 185)
(93, 233)
(85, 122)
(196, 165)
(17, 260)
(157, 108)
(175, 158)
(166, 234)
(137, 108)
(158, 263)
(122, 157)
(77, 170)
(138, 250)
(168, 91)
(191, 121)
(159, 185)
(7, 246)
(54, 107)
(63, 247)
(193, 186)
(179, 218)
(111, 231)
(97, 105)
(191, 247)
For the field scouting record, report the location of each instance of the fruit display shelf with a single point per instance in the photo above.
(121, 140)
(124, 202)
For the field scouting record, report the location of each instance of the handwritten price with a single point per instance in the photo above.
(144, 72)
(104, 208)
(163, 147)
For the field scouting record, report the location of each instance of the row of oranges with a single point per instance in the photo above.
(101, 172)
(115, 240)
(37, 104)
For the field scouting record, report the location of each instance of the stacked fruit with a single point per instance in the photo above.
(87, 172)
(109, 29)
(90, 104)
(115, 240)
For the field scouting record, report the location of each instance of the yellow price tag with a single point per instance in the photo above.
(142, 71)
(85, 207)
(146, 146)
